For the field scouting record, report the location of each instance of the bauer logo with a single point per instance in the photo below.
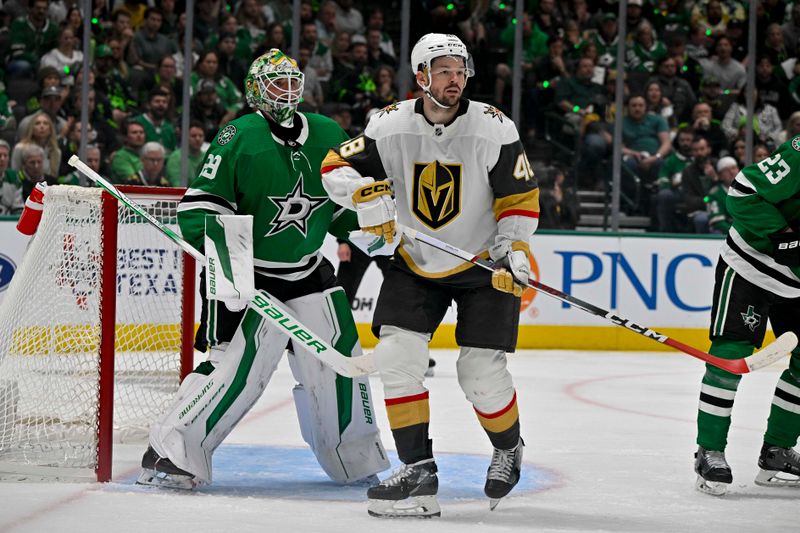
(7, 269)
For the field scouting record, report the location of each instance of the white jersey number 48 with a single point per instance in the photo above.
(522, 168)
(774, 168)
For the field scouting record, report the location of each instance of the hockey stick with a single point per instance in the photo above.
(780, 348)
(262, 302)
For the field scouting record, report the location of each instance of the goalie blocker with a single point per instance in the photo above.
(335, 413)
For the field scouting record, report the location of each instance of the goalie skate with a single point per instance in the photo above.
(503, 473)
(410, 492)
(161, 472)
(713, 472)
(780, 467)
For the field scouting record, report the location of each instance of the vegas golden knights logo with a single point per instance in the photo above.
(436, 198)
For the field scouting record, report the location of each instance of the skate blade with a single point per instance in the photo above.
(493, 503)
(413, 507)
(714, 488)
(776, 478)
(154, 478)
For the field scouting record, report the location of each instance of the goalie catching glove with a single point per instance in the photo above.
(375, 209)
(512, 268)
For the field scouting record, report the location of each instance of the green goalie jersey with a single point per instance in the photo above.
(764, 198)
(256, 168)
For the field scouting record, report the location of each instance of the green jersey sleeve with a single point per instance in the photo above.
(766, 195)
(213, 190)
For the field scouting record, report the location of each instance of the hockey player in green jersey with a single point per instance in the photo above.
(266, 164)
(757, 278)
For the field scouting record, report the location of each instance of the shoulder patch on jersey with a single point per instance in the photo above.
(226, 134)
(796, 143)
(493, 112)
(388, 109)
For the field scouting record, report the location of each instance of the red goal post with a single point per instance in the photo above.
(96, 332)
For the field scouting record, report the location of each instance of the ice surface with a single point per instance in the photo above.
(610, 438)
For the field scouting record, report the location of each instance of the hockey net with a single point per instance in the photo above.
(99, 293)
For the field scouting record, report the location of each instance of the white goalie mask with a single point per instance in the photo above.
(433, 45)
(274, 85)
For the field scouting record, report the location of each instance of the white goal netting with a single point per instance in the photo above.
(50, 331)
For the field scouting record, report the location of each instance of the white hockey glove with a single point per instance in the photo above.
(512, 268)
(375, 209)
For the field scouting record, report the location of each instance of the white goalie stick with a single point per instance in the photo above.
(778, 349)
(264, 304)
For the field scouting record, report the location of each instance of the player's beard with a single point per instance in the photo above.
(447, 96)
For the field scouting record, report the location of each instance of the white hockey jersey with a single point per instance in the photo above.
(465, 182)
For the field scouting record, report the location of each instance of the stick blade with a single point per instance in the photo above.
(778, 349)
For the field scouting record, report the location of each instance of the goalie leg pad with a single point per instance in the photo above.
(336, 414)
(484, 378)
(207, 407)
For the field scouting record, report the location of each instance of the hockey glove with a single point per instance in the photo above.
(375, 209)
(512, 268)
(786, 248)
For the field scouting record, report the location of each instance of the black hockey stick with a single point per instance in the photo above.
(264, 304)
(780, 348)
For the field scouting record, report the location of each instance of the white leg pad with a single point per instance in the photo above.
(401, 357)
(484, 378)
(336, 415)
(207, 408)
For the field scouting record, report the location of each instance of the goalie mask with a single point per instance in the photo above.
(433, 45)
(274, 86)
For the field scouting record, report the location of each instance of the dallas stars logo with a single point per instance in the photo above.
(751, 318)
(294, 209)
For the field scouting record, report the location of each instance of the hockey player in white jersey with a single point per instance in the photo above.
(266, 164)
(456, 168)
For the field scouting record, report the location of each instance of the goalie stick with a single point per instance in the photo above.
(262, 302)
(778, 349)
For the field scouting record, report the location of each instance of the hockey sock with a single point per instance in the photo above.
(783, 426)
(409, 417)
(502, 427)
(717, 394)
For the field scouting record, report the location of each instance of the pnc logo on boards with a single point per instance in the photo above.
(7, 269)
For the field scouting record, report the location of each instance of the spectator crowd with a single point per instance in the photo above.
(684, 117)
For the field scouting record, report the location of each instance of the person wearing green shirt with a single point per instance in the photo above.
(534, 45)
(645, 52)
(154, 121)
(645, 139)
(126, 162)
(30, 38)
(669, 181)
(196, 154)
(207, 68)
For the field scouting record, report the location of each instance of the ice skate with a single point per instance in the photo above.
(410, 492)
(713, 472)
(503, 473)
(161, 472)
(780, 467)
